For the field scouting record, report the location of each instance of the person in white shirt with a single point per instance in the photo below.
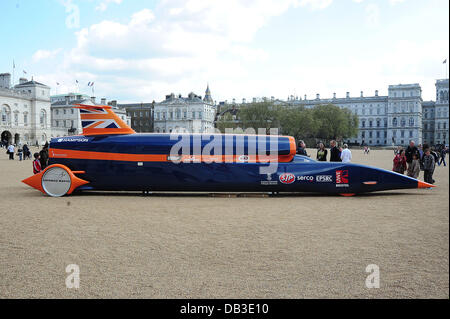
(346, 155)
(11, 151)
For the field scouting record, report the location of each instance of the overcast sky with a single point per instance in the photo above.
(136, 50)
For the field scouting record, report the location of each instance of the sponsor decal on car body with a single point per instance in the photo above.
(287, 178)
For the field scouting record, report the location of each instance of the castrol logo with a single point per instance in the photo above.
(287, 178)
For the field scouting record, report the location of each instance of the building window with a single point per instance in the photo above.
(410, 133)
(394, 122)
(402, 133)
(43, 118)
(71, 111)
(403, 122)
(16, 119)
(25, 119)
(411, 121)
(56, 112)
(370, 123)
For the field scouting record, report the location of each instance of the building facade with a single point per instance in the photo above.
(30, 115)
(185, 114)
(25, 111)
(389, 120)
(140, 115)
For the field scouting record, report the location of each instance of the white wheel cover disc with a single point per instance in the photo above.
(56, 181)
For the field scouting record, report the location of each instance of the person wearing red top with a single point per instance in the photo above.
(36, 164)
(400, 162)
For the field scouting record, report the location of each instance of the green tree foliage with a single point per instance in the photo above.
(322, 122)
(260, 115)
(334, 122)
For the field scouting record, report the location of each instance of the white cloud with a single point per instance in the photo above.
(104, 4)
(394, 2)
(44, 54)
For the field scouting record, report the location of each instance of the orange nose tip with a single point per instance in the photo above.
(421, 184)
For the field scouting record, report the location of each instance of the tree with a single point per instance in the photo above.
(334, 122)
(260, 115)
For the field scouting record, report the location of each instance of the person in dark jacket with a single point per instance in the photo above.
(301, 150)
(444, 152)
(428, 166)
(410, 151)
(335, 153)
(322, 153)
(43, 156)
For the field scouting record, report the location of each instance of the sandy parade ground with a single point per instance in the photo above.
(198, 246)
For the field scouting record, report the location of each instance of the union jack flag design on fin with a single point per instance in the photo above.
(101, 120)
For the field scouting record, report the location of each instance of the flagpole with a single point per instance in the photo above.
(14, 72)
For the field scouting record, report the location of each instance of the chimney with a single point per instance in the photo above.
(334, 95)
(305, 96)
(67, 99)
(103, 101)
(93, 99)
(347, 95)
(113, 103)
(5, 80)
(317, 96)
(22, 80)
(362, 94)
(376, 92)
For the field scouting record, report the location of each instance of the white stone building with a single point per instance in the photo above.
(25, 111)
(185, 114)
(28, 114)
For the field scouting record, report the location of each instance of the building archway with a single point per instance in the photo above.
(17, 138)
(6, 137)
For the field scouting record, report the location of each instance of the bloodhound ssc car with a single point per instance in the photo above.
(110, 156)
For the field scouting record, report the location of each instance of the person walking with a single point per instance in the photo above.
(322, 153)
(36, 164)
(400, 162)
(20, 153)
(11, 151)
(301, 150)
(444, 152)
(346, 155)
(26, 152)
(428, 166)
(335, 153)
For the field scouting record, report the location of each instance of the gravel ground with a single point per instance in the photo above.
(197, 246)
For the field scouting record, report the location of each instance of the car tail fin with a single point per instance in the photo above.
(101, 120)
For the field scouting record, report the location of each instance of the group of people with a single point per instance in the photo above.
(23, 152)
(337, 154)
(414, 159)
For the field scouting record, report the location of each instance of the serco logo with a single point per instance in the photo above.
(287, 178)
(60, 139)
(305, 178)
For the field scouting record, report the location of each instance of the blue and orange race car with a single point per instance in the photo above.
(110, 156)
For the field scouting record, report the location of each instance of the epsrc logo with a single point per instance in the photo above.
(342, 177)
(324, 178)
